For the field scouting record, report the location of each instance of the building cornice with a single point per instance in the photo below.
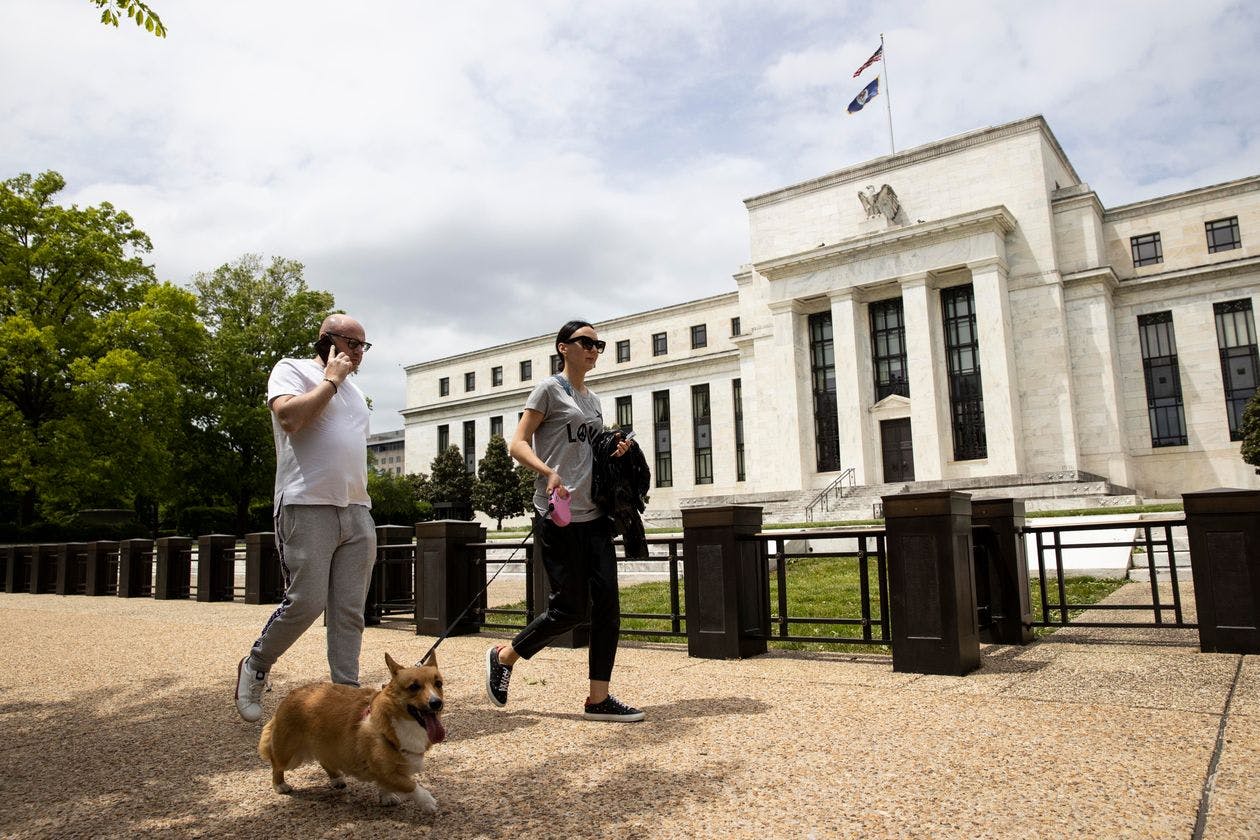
(1182, 199)
(919, 154)
(991, 219)
(1197, 274)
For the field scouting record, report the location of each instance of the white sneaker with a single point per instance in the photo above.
(250, 685)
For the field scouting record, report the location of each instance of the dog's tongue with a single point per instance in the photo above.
(437, 732)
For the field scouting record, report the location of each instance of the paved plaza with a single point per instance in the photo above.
(118, 721)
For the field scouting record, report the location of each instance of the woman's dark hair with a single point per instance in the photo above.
(566, 332)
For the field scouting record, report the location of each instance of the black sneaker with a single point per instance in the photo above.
(610, 708)
(497, 677)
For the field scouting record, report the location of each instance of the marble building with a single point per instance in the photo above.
(965, 313)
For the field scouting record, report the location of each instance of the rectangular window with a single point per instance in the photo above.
(660, 423)
(1163, 379)
(738, 394)
(888, 349)
(702, 428)
(557, 363)
(496, 426)
(660, 346)
(962, 357)
(496, 376)
(444, 386)
(527, 370)
(444, 438)
(623, 350)
(1236, 338)
(470, 445)
(625, 414)
(1147, 249)
(470, 381)
(735, 327)
(822, 368)
(699, 336)
(1222, 235)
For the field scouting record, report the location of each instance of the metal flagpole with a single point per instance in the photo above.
(887, 93)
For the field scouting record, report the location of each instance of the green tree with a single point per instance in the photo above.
(93, 352)
(1251, 432)
(135, 10)
(450, 482)
(498, 489)
(394, 500)
(256, 314)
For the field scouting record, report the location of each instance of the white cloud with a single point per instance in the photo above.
(466, 174)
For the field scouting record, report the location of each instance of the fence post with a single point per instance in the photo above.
(932, 590)
(71, 568)
(216, 567)
(174, 568)
(446, 576)
(263, 584)
(7, 556)
(1002, 570)
(1224, 531)
(135, 568)
(44, 568)
(21, 562)
(726, 582)
(102, 577)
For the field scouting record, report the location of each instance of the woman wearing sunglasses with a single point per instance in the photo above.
(561, 419)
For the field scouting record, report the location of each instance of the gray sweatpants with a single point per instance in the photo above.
(326, 554)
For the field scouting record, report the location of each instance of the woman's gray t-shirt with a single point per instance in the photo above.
(563, 442)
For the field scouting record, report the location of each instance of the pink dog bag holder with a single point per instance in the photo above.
(559, 509)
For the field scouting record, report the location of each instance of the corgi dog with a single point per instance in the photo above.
(377, 735)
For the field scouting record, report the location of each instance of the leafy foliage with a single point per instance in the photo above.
(135, 10)
(1251, 432)
(450, 481)
(256, 314)
(498, 489)
(394, 500)
(92, 354)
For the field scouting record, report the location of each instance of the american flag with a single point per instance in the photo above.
(876, 56)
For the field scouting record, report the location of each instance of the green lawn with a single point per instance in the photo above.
(818, 587)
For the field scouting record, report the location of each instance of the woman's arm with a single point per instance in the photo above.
(522, 450)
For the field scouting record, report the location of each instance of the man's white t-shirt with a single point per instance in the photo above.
(325, 462)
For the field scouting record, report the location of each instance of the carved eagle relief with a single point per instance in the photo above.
(883, 203)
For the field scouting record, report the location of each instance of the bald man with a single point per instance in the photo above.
(324, 530)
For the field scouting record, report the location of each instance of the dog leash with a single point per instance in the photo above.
(477, 597)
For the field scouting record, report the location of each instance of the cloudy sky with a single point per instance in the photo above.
(465, 174)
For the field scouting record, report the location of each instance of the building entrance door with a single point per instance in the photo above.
(898, 450)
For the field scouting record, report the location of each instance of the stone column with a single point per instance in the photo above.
(1224, 531)
(726, 582)
(854, 385)
(135, 568)
(929, 393)
(102, 575)
(784, 437)
(447, 576)
(1003, 427)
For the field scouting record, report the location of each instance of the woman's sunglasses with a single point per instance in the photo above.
(588, 343)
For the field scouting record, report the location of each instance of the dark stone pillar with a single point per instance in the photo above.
(447, 576)
(17, 577)
(393, 575)
(102, 567)
(726, 582)
(44, 563)
(1224, 530)
(1002, 571)
(174, 568)
(71, 568)
(931, 584)
(135, 568)
(216, 567)
(264, 583)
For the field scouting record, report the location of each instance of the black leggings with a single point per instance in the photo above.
(582, 569)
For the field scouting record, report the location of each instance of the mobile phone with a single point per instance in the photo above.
(629, 435)
(322, 347)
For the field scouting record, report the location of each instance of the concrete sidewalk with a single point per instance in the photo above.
(118, 720)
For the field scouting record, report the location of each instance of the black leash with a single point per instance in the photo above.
(477, 597)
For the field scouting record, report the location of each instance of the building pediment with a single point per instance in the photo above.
(993, 220)
(891, 407)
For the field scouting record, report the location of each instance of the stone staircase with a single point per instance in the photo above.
(1064, 490)
(1139, 567)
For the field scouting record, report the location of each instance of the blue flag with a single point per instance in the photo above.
(866, 95)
